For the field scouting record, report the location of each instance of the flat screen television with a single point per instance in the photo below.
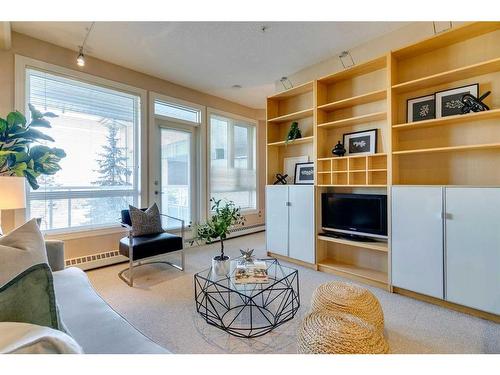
(355, 214)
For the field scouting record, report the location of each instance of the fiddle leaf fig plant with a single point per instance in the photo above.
(225, 215)
(17, 155)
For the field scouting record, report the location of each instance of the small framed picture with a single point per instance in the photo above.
(421, 108)
(304, 173)
(449, 102)
(289, 166)
(361, 143)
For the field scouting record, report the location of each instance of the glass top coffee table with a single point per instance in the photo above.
(248, 310)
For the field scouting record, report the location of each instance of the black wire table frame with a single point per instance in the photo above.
(248, 310)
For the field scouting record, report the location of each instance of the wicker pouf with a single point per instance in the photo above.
(338, 333)
(349, 298)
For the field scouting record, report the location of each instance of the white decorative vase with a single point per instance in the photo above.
(221, 267)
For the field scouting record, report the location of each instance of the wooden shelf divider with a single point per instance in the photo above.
(292, 116)
(378, 246)
(350, 269)
(450, 120)
(297, 141)
(449, 76)
(448, 149)
(355, 100)
(354, 120)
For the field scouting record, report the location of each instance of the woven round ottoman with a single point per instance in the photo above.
(349, 298)
(338, 333)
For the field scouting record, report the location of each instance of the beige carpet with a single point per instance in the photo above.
(162, 306)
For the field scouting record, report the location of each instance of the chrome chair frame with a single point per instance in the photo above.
(134, 264)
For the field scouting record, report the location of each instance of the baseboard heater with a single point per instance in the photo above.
(108, 258)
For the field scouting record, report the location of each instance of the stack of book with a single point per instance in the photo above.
(251, 273)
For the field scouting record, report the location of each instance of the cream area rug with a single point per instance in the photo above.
(161, 305)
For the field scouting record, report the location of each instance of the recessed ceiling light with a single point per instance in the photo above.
(236, 86)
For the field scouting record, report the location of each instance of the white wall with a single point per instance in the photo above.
(409, 34)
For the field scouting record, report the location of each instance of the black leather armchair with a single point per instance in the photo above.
(146, 249)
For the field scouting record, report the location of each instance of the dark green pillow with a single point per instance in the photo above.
(30, 298)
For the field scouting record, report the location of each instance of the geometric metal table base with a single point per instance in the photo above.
(248, 310)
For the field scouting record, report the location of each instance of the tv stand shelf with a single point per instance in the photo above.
(378, 246)
(350, 269)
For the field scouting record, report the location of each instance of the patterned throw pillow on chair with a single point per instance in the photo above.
(145, 222)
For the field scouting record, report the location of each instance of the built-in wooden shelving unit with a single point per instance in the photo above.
(365, 170)
(456, 150)
(296, 104)
(348, 101)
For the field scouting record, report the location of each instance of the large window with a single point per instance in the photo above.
(232, 161)
(98, 129)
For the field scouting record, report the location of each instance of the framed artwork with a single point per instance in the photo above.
(304, 173)
(361, 143)
(449, 102)
(289, 166)
(421, 108)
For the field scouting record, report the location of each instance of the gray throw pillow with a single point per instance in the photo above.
(20, 249)
(145, 222)
(30, 298)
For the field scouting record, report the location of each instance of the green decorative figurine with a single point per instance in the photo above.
(293, 133)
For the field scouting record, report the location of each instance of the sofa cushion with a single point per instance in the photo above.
(21, 249)
(24, 338)
(145, 222)
(92, 322)
(29, 298)
(151, 245)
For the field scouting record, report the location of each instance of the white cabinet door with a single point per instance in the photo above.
(417, 239)
(301, 219)
(472, 247)
(277, 219)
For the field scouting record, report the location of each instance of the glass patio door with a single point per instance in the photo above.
(177, 171)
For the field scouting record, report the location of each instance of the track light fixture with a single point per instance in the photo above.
(287, 84)
(80, 60)
(346, 59)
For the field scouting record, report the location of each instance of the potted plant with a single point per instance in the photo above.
(294, 132)
(18, 157)
(225, 215)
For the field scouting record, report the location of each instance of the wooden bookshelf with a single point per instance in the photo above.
(460, 150)
(456, 150)
(353, 171)
(296, 104)
(453, 75)
(348, 101)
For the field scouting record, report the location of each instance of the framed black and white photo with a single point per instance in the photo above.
(304, 173)
(449, 102)
(361, 143)
(421, 108)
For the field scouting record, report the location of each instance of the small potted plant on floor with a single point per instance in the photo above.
(225, 215)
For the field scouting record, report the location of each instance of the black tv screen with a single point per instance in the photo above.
(361, 214)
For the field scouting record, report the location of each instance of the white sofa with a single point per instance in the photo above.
(88, 318)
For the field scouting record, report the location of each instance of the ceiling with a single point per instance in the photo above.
(213, 56)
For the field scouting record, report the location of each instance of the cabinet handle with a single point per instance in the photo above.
(288, 204)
